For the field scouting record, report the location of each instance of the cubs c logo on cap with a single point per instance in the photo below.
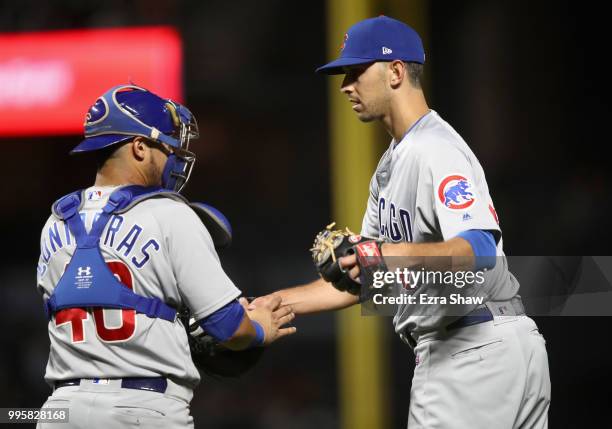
(454, 192)
(97, 113)
(343, 45)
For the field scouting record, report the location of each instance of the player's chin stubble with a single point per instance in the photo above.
(369, 114)
(364, 117)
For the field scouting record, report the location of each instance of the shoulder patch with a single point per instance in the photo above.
(455, 192)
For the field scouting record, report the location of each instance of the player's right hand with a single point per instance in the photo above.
(350, 265)
(272, 317)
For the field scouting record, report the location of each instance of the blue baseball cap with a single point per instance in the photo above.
(377, 39)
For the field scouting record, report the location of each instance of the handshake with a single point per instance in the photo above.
(218, 360)
(347, 261)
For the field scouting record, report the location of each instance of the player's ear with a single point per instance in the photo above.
(139, 148)
(397, 71)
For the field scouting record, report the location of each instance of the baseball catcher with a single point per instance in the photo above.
(121, 260)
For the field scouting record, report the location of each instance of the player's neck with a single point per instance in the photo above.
(114, 174)
(404, 112)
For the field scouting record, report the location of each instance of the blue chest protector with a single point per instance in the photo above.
(87, 280)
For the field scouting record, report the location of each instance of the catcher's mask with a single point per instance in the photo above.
(126, 111)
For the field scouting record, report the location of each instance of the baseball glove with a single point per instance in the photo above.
(214, 360)
(330, 245)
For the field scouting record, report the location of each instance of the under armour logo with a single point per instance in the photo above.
(84, 271)
(386, 51)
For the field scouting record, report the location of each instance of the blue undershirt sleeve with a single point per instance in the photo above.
(223, 323)
(483, 245)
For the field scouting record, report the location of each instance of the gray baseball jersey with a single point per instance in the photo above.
(429, 187)
(159, 248)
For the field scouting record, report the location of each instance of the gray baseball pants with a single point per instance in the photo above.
(109, 406)
(490, 375)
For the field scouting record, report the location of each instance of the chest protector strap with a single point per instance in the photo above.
(87, 280)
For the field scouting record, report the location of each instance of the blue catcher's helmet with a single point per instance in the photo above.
(127, 111)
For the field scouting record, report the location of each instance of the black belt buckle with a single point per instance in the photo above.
(407, 337)
(66, 383)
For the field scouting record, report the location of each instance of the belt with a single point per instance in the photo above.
(481, 314)
(151, 384)
(474, 317)
(487, 312)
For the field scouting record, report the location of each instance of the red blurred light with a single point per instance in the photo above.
(49, 80)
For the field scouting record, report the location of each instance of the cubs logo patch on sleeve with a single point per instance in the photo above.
(455, 192)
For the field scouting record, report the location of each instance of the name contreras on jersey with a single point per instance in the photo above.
(394, 222)
(59, 236)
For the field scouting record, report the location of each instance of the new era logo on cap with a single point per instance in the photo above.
(386, 51)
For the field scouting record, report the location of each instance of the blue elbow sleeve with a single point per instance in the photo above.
(224, 322)
(483, 245)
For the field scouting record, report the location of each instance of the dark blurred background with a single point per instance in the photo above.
(523, 83)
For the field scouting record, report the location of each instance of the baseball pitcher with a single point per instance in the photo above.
(429, 202)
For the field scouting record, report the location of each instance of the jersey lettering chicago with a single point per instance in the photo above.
(394, 221)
